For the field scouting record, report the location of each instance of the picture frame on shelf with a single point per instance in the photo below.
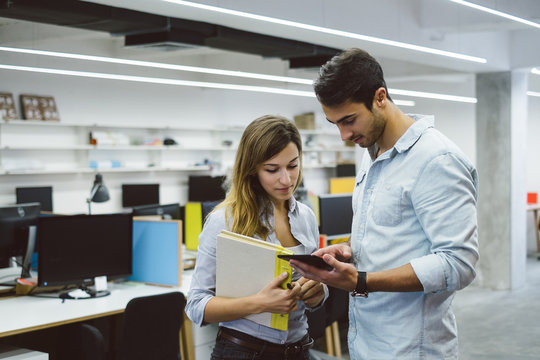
(7, 107)
(36, 107)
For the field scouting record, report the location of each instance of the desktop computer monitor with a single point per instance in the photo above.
(345, 170)
(17, 235)
(335, 214)
(73, 250)
(166, 211)
(41, 194)
(139, 194)
(206, 188)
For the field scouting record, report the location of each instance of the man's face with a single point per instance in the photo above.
(356, 123)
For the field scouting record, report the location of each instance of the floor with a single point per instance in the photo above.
(496, 325)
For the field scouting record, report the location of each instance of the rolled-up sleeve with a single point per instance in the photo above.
(445, 202)
(203, 282)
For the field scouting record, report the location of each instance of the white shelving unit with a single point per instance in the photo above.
(48, 147)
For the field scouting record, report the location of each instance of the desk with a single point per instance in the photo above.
(534, 209)
(22, 314)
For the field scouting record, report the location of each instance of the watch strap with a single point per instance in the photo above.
(361, 285)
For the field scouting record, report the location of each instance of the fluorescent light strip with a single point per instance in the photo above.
(330, 31)
(496, 12)
(159, 65)
(209, 71)
(154, 80)
(161, 80)
(535, 71)
(432, 95)
(404, 102)
(533, 93)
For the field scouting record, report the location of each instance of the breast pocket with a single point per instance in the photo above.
(387, 205)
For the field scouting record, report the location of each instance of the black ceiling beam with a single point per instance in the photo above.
(142, 29)
(83, 15)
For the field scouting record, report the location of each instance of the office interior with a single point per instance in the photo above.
(494, 118)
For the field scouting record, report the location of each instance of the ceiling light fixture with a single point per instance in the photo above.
(158, 65)
(496, 12)
(207, 71)
(429, 95)
(535, 71)
(330, 31)
(164, 81)
(533, 93)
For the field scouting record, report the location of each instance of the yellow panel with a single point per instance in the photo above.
(341, 185)
(193, 223)
(314, 200)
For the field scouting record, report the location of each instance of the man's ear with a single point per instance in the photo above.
(379, 99)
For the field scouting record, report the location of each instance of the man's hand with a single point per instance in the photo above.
(343, 276)
(342, 252)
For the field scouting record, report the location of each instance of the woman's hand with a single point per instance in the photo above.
(311, 292)
(273, 298)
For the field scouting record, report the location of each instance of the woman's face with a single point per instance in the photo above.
(278, 175)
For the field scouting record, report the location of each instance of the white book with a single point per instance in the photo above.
(244, 265)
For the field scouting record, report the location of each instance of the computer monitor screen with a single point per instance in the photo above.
(207, 207)
(75, 249)
(345, 170)
(167, 211)
(41, 194)
(140, 194)
(206, 188)
(15, 222)
(335, 212)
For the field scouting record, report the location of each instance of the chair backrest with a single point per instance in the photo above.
(151, 328)
(335, 308)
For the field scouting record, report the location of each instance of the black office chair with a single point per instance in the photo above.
(151, 328)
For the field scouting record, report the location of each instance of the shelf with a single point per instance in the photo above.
(111, 170)
(41, 149)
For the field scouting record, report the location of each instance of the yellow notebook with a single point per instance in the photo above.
(244, 265)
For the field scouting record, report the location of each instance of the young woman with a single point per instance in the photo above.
(260, 203)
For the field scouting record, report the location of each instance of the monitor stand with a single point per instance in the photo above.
(82, 292)
(27, 259)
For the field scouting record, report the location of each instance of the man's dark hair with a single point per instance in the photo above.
(350, 75)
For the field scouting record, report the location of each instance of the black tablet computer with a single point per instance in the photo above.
(309, 259)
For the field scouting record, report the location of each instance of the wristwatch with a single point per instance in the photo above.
(361, 286)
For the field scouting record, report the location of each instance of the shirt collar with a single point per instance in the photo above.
(410, 137)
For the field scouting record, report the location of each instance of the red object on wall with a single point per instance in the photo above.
(532, 198)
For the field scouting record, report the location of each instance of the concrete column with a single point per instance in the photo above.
(501, 125)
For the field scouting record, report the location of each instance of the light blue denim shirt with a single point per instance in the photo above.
(415, 203)
(203, 284)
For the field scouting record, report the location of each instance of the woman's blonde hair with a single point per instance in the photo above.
(247, 203)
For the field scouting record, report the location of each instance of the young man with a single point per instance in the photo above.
(414, 235)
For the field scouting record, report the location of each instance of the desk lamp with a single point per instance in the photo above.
(99, 192)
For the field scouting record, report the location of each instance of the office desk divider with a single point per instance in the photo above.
(157, 251)
(194, 222)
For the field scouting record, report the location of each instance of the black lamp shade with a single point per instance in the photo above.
(99, 192)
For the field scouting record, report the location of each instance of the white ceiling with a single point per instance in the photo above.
(438, 24)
